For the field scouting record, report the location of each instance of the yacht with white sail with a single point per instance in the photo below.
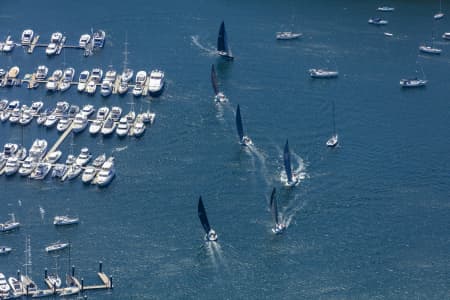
(156, 82)
(279, 226)
(243, 139)
(210, 234)
(106, 173)
(223, 49)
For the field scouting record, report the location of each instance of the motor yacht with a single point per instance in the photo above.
(99, 160)
(38, 149)
(15, 116)
(126, 75)
(108, 127)
(138, 127)
(288, 35)
(12, 166)
(89, 174)
(65, 220)
(41, 72)
(5, 250)
(80, 122)
(322, 73)
(73, 111)
(97, 75)
(51, 49)
(99, 38)
(137, 90)
(91, 87)
(41, 171)
(123, 127)
(4, 286)
(116, 113)
(9, 44)
(88, 110)
(36, 107)
(82, 80)
(62, 108)
(148, 117)
(106, 88)
(141, 77)
(27, 166)
(95, 126)
(72, 172)
(27, 36)
(51, 121)
(53, 81)
(156, 83)
(106, 173)
(9, 149)
(16, 287)
(412, 82)
(63, 124)
(84, 157)
(53, 157)
(3, 104)
(102, 113)
(85, 39)
(25, 118)
(378, 21)
(59, 170)
(123, 87)
(67, 79)
(446, 36)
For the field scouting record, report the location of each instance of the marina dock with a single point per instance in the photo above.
(60, 140)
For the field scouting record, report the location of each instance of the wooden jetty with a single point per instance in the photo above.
(60, 140)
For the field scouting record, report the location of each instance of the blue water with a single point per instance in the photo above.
(369, 219)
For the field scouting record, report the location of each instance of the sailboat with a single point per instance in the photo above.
(279, 227)
(222, 43)
(333, 140)
(211, 235)
(219, 96)
(414, 81)
(243, 139)
(440, 14)
(291, 178)
(430, 49)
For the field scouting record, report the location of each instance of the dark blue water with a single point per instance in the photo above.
(369, 218)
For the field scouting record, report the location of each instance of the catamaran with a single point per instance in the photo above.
(211, 235)
(222, 43)
(218, 95)
(279, 227)
(292, 179)
(243, 139)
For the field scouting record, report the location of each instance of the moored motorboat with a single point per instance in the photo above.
(67, 79)
(108, 127)
(41, 171)
(116, 113)
(53, 157)
(156, 82)
(41, 72)
(63, 124)
(80, 122)
(17, 289)
(36, 107)
(210, 234)
(72, 290)
(38, 149)
(446, 35)
(12, 166)
(89, 174)
(99, 38)
(5, 249)
(56, 246)
(4, 286)
(430, 49)
(9, 44)
(84, 41)
(123, 127)
(385, 8)
(27, 166)
(27, 36)
(106, 173)
(84, 157)
(378, 21)
(99, 160)
(82, 80)
(138, 127)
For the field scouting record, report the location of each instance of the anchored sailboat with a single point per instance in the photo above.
(279, 227)
(333, 140)
(440, 14)
(210, 233)
(222, 43)
(219, 96)
(243, 139)
(291, 178)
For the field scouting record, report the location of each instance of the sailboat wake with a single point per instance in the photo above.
(291, 209)
(196, 42)
(299, 172)
(42, 212)
(120, 149)
(260, 157)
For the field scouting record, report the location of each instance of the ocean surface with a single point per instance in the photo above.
(369, 218)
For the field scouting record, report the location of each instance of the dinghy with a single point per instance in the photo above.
(223, 49)
(211, 235)
(243, 139)
(279, 227)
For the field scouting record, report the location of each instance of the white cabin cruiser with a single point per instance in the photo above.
(413, 82)
(53, 157)
(138, 127)
(41, 171)
(99, 38)
(84, 157)
(4, 286)
(51, 121)
(36, 107)
(89, 174)
(322, 73)
(99, 160)
(106, 88)
(156, 82)
(27, 36)
(17, 289)
(288, 35)
(9, 44)
(84, 41)
(108, 127)
(38, 149)
(65, 220)
(106, 173)
(67, 79)
(95, 126)
(41, 72)
(116, 112)
(5, 249)
(88, 110)
(123, 127)
(63, 124)
(27, 166)
(80, 122)
(82, 80)
(12, 166)
(446, 35)
(91, 87)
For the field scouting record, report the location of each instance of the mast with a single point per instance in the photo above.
(240, 128)
(125, 62)
(287, 162)
(334, 122)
